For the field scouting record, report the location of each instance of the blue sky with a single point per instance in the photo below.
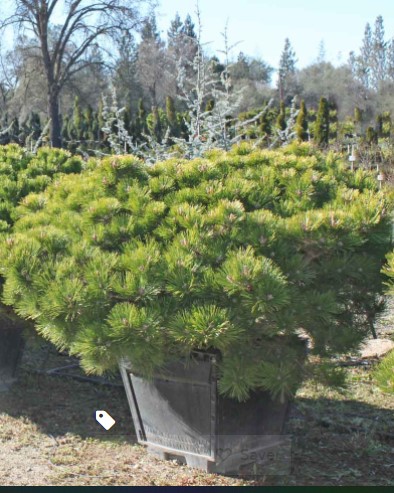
(263, 25)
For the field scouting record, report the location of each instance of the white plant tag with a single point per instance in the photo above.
(105, 420)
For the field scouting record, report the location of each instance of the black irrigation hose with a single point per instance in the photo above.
(360, 362)
(55, 373)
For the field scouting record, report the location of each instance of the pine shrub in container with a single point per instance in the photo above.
(229, 255)
(21, 173)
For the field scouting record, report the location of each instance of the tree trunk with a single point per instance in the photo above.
(53, 113)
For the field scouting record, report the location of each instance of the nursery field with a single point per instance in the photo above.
(164, 205)
(48, 435)
(116, 260)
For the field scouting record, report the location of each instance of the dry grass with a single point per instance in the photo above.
(48, 436)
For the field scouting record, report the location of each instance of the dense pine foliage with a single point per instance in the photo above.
(235, 252)
(23, 172)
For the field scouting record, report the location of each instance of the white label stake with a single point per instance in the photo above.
(105, 420)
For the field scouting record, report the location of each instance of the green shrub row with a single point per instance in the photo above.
(22, 172)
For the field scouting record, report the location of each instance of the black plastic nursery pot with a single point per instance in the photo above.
(179, 414)
(11, 346)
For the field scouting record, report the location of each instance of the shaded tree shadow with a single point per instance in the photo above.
(340, 441)
(60, 405)
(335, 440)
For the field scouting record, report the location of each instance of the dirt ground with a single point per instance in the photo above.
(48, 435)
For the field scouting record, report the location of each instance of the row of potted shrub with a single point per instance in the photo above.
(21, 173)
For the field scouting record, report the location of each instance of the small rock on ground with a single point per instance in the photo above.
(376, 348)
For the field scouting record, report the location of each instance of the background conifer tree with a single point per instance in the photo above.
(371, 136)
(322, 123)
(77, 120)
(302, 123)
(172, 119)
(287, 70)
(379, 124)
(281, 118)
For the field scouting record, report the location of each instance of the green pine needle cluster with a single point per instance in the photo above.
(384, 373)
(231, 253)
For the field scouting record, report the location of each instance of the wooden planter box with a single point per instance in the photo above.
(178, 414)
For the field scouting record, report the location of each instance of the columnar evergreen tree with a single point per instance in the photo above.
(281, 118)
(358, 118)
(358, 115)
(127, 118)
(77, 120)
(100, 121)
(322, 124)
(289, 133)
(87, 116)
(333, 121)
(140, 124)
(387, 124)
(265, 124)
(171, 115)
(302, 123)
(379, 125)
(95, 130)
(34, 123)
(65, 131)
(156, 128)
(195, 82)
(321, 54)
(371, 136)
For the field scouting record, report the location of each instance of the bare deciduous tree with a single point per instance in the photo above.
(64, 49)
